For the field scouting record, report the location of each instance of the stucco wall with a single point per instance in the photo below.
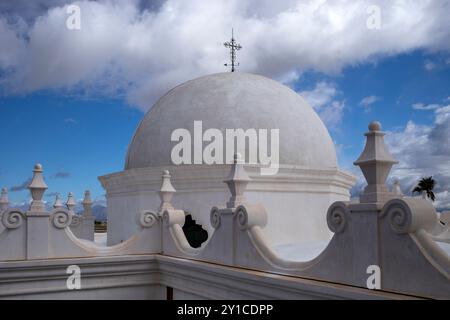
(147, 277)
(296, 199)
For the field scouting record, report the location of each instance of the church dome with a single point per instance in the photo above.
(233, 100)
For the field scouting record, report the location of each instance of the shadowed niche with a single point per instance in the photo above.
(195, 234)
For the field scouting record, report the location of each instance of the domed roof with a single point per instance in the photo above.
(233, 100)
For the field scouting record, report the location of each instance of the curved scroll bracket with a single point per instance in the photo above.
(148, 219)
(12, 218)
(248, 216)
(61, 218)
(409, 215)
(338, 217)
(173, 217)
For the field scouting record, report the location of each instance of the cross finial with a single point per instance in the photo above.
(234, 46)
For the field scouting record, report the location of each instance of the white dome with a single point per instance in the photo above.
(233, 100)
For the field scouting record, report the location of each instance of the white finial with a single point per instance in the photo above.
(70, 203)
(166, 192)
(58, 203)
(375, 126)
(87, 203)
(237, 181)
(37, 188)
(375, 163)
(396, 189)
(4, 202)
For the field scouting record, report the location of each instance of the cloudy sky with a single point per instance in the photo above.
(72, 97)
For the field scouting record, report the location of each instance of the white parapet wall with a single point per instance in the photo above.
(201, 187)
(150, 276)
(384, 246)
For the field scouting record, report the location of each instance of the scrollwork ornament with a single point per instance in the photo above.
(12, 218)
(215, 218)
(61, 219)
(399, 218)
(147, 219)
(76, 221)
(172, 217)
(337, 217)
(242, 217)
(166, 218)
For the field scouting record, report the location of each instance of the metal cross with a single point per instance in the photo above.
(233, 48)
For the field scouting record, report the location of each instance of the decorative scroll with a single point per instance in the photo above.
(249, 216)
(61, 218)
(410, 214)
(76, 221)
(12, 218)
(400, 218)
(337, 217)
(147, 219)
(215, 218)
(172, 217)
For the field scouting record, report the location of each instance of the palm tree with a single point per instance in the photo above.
(426, 185)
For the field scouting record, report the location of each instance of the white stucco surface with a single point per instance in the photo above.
(100, 238)
(269, 241)
(444, 246)
(297, 197)
(300, 251)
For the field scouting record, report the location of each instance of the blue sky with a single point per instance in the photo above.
(86, 138)
(397, 82)
(78, 138)
(71, 100)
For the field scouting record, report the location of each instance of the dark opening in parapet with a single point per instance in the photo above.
(195, 234)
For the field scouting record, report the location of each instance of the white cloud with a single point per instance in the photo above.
(12, 46)
(71, 121)
(366, 102)
(321, 95)
(429, 65)
(125, 50)
(323, 99)
(443, 115)
(423, 150)
(422, 106)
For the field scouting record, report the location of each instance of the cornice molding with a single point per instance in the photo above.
(47, 278)
(206, 178)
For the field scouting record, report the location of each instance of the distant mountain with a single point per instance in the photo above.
(99, 212)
